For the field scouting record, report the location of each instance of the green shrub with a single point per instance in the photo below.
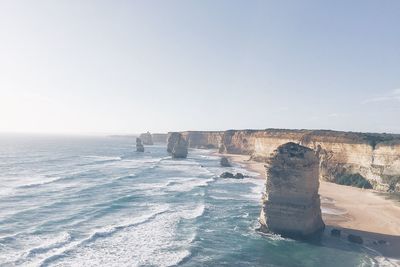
(353, 179)
(392, 181)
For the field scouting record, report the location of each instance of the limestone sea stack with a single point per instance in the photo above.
(177, 146)
(172, 139)
(146, 138)
(291, 204)
(139, 145)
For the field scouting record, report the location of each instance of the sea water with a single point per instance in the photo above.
(94, 201)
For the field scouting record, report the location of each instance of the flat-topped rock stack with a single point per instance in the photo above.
(291, 204)
(177, 146)
(139, 145)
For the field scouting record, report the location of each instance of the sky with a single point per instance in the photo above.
(120, 67)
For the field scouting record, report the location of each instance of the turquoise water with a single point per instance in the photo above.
(91, 201)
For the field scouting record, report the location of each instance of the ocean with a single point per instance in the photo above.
(94, 201)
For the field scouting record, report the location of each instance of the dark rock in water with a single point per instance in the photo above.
(227, 175)
(382, 242)
(146, 138)
(139, 145)
(225, 162)
(177, 145)
(239, 175)
(355, 239)
(291, 204)
(231, 175)
(335, 232)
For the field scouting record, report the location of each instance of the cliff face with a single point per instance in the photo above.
(291, 204)
(146, 138)
(159, 137)
(203, 139)
(374, 156)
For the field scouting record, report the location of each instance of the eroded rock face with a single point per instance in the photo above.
(146, 138)
(291, 204)
(374, 156)
(177, 146)
(172, 139)
(139, 145)
(180, 149)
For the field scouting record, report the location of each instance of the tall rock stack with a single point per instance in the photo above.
(139, 145)
(172, 139)
(146, 138)
(291, 204)
(177, 145)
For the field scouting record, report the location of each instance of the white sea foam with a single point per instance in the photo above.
(387, 262)
(101, 158)
(332, 211)
(184, 185)
(43, 181)
(58, 248)
(153, 242)
(33, 247)
(192, 213)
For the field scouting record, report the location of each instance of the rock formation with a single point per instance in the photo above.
(172, 139)
(336, 232)
(146, 138)
(225, 162)
(291, 204)
(159, 138)
(355, 239)
(376, 157)
(177, 145)
(180, 149)
(139, 145)
(231, 175)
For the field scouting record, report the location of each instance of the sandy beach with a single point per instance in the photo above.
(352, 210)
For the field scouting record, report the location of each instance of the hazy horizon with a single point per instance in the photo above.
(102, 67)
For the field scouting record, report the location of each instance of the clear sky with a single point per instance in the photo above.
(130, 66)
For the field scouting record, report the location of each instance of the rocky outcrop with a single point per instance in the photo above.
(146, 138)
(172, 140)
(180, 149)
(225, 162)
(177, 145)
(231, 175)
(291, 204)
(355, 239)
(139, 145)
(376, 157)
(336, 232)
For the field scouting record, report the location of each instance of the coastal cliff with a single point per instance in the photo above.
(208, 139)
(146, 138)
(159, 137)
(376, 157)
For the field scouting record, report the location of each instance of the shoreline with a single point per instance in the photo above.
(352, 210)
